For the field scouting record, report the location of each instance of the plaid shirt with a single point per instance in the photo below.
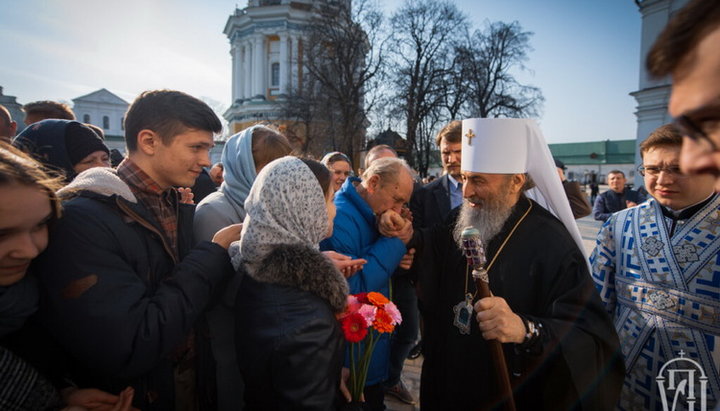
(162, 204)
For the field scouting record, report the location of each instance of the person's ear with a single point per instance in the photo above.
(517, 182)
(147, 142)
(373, 184)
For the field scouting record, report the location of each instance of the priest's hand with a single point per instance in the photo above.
(392, 224)
(498, 322)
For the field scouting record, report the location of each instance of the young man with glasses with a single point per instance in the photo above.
(656, 267)
(689, 51)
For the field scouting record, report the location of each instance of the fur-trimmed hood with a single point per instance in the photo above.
(305, 268)
(100, 180)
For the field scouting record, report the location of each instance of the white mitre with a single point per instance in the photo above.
(513, 146)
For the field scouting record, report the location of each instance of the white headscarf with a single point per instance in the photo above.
(286, 205)
(513, 146)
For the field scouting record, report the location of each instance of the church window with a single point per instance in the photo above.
(106, 122)
(275, 75)
(122, 123)
(86, 118)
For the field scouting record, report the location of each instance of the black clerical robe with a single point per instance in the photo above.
(542, 275)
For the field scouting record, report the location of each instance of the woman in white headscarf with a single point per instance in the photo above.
(289, 344)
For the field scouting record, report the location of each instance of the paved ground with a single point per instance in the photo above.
(411, 372)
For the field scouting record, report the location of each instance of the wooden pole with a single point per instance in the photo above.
(496, 351)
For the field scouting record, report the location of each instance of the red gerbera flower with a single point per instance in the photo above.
(362, 297)
(354, 327)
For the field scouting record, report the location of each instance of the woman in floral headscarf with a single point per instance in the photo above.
(289, 344)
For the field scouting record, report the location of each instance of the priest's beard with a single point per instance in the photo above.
(488, 219)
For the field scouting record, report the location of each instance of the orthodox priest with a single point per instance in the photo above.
(560, 347)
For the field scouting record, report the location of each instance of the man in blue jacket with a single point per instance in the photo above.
(386, 185)
(123, 286)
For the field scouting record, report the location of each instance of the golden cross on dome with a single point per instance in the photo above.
(470, 136)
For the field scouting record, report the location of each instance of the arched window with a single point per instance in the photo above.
(86, 118)
(106, 122)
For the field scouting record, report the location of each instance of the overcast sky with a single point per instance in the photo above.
(585, 59)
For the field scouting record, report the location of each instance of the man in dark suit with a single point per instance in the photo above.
(432, 203)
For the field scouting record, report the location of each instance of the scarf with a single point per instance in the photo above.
(238, 169)
(286, 205)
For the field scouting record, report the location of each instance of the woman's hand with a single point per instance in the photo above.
(92, 399)
(344, 377)
(227, 235)
(344, 263)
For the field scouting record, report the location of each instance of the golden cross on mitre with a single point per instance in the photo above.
(470, 136)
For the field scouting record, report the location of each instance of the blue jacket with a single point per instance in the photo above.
(355, 234)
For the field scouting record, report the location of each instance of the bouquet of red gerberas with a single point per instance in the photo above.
(366, 316)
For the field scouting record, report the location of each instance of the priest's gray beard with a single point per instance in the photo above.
(487, 219)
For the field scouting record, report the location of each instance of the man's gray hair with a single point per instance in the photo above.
(529, 183)
(388, 168)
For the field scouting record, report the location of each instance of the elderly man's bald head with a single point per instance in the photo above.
(380, 151)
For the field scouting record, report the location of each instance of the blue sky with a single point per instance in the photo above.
(585, 59)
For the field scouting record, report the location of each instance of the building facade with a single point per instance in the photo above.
(105, 110)
(266, 49)
(591, 161)
(652, 95)
(15, 109)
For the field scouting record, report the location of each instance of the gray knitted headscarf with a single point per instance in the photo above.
(286, 205)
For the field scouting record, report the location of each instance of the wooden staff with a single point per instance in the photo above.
(496, 351)
(474, 251)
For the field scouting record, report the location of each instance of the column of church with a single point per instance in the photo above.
(284, 63)
(294, 59)
(247, 70)
(259, 59)
(237, 71)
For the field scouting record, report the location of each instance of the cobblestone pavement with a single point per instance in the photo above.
(411, 377)
(411, 372)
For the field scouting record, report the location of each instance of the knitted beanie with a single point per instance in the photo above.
(81, 141)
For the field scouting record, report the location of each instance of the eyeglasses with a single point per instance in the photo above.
(697, 132)
(654, 171)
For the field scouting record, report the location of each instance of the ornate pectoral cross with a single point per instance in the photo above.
(470, 136)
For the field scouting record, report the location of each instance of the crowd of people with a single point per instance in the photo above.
(160, 281)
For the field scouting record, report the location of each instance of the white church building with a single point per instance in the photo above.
(105, 110)
(266, 49)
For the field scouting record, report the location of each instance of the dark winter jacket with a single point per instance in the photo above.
(611, 202)
(289, 344)
(115, 297)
